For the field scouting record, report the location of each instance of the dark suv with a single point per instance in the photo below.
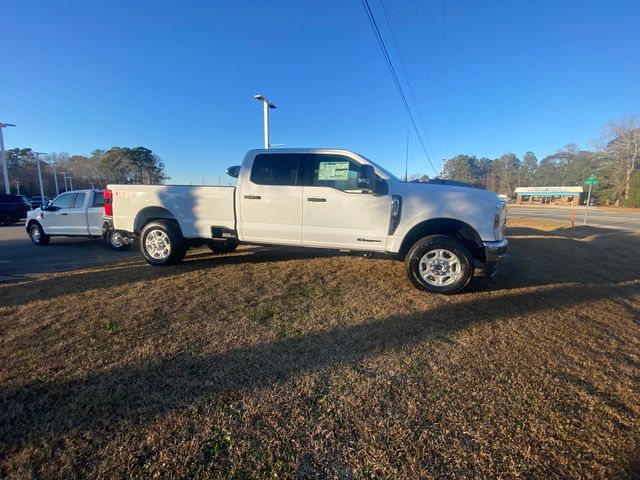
(13, 208)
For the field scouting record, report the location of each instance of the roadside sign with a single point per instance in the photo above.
(591, 181)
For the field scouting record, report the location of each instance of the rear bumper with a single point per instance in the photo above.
(494, 251)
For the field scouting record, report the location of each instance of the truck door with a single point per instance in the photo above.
(95, 213)
(55, 217)
(335, 212)
(75, 222)
(270, 200)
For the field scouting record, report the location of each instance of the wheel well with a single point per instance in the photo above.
(152, 213)
(31, 222)
(462, 231)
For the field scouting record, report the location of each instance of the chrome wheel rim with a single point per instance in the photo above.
(35, 234)
(116, 239)
(157, 244)
(440, 267)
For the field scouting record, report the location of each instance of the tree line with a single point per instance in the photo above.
(614, 162)
(116, 165)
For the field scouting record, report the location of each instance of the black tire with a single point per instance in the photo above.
(5, 219)
(37, 235)
(117, 243)
(439, 264)
(170, 246)
(227, 246)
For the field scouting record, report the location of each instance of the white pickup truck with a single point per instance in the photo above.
(78, 213)
(320, 198)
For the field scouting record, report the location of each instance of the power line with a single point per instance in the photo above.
(444, 69)
(404, 70)
(385, 52)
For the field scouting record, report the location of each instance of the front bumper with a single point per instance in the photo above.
(494, 251)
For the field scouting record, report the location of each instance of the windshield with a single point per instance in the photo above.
(383, 170)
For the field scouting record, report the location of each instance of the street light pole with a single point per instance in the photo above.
(55, 177)
(5, 173)
(266, 105)
(37, 154)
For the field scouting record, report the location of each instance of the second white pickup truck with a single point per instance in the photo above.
(319, 198)
(77, 213)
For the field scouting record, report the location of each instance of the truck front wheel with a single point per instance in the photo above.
(162, 243)
(37, 235)
(439, 264)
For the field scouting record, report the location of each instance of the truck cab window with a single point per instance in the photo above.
(335, 171)
(79, 201)
(98, 199)
(275, 169)
(63, 201)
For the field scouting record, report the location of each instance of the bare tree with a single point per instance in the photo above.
(623, 146)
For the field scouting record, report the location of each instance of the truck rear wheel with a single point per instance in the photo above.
(439, 264)
(37, 235)
(162, 243)
(227, 246)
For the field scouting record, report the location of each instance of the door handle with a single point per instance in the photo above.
(64, 214)
(316, 199)
(252, 197)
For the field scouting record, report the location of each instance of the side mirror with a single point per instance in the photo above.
(234, 171)
(367, 178)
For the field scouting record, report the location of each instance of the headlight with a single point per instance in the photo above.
(396, 213)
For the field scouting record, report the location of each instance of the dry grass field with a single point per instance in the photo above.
(272, 363)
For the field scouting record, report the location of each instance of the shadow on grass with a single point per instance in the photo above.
(13, 294)
(536, 257)
(586, 255)
(98, 403)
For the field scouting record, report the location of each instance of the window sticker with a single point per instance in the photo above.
(333, 171)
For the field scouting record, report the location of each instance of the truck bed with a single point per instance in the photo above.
(197, 208)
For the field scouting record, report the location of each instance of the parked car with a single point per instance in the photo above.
(13, 208)
(72, 214)
(320, 198)
(38, 201)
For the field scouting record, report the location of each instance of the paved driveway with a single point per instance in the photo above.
(623, 219)
(20, 258)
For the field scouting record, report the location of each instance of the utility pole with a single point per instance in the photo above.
(406, 163)
(17, 187)
(3, 158)
(267, 105)
(37, 155)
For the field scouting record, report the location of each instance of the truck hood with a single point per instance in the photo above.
(34, 213)
(474, 206)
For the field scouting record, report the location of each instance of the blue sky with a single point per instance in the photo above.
(179, 77)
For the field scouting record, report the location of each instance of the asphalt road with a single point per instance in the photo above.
(20, 258)
(597, 216)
